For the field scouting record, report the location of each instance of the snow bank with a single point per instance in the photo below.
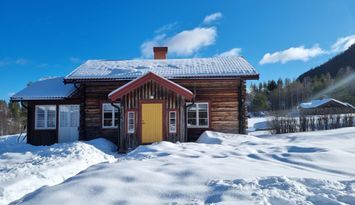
(283, 191)
(299, 168)
(258, 123)
(25, 168)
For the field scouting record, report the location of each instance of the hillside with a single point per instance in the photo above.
(342, 60)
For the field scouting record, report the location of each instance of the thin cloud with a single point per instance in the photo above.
(292, 54)
(231, 52)
(343, 43)
(21, 61)
(166, 28)
(213, 17)
(184, 43)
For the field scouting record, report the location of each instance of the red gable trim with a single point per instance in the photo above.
(125, 89)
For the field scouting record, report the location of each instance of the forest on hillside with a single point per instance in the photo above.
(345, 59)
(287, 94)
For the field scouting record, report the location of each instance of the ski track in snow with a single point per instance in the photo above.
(299, 168)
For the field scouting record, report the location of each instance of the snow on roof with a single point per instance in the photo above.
(319, 102)
(228, 66)
(48, 89)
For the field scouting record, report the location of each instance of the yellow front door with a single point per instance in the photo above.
(152, 122)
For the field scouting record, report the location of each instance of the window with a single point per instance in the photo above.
(131, 122)
(197, 115)
(45, 116)
(110, 116)
(172, 122)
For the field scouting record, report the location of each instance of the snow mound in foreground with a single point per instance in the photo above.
(25, 168)
(282, 191)
(312, 168)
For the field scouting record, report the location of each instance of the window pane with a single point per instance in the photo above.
(173, 121)
(131, 122)
(51, 117)
(202, 114)
(191, 122)
(172, 114)
(108, 115)
(40, 112)
(108, 122)
(191, 115)
(192, 108)
(202, 107)
(203, 122)
(107, 107)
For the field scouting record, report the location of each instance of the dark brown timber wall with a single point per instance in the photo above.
(95, 94)
(223, 98)
(44, 136)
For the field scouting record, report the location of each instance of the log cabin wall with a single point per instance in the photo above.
(152, 91)
(223, 98)
(94, 95)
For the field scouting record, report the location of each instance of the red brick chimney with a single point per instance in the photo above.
(160, 52)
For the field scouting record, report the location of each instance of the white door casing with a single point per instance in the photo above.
(69, 117)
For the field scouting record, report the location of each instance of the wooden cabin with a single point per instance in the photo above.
(134, 102)
(325, 106)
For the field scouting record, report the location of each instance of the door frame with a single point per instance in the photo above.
(140, 117)
(58, 120)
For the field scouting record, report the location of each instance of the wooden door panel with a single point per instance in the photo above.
(152, 122)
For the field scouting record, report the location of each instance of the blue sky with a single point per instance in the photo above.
(280, 38)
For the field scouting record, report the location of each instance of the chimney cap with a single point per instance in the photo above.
(160, 48)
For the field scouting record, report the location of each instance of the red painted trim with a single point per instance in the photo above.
(150, 76)
(140, 117)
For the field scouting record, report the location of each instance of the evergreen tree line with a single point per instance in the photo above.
(287, 94)
(12, 118)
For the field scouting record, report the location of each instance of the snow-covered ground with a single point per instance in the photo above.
(25, 168)
(258, 123)
(300, 168)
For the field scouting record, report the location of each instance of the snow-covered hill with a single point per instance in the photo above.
(301, 168)
(25, 168)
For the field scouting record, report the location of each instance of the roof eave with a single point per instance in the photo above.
(81, 80)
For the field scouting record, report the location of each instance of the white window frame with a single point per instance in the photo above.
(113, 116)
(197, 116)
(132, 129)
(46, 108)
(170, 125)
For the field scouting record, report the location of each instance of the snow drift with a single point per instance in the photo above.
(25, 168)
(300, 168)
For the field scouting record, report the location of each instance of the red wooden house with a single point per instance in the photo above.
(133, 102)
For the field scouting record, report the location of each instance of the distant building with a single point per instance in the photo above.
(325, 106)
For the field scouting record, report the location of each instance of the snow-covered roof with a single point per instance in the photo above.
(49, 89)
(229, 66)
(316, 103)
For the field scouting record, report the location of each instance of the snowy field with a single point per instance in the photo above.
(299, 168)
(25, 168)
